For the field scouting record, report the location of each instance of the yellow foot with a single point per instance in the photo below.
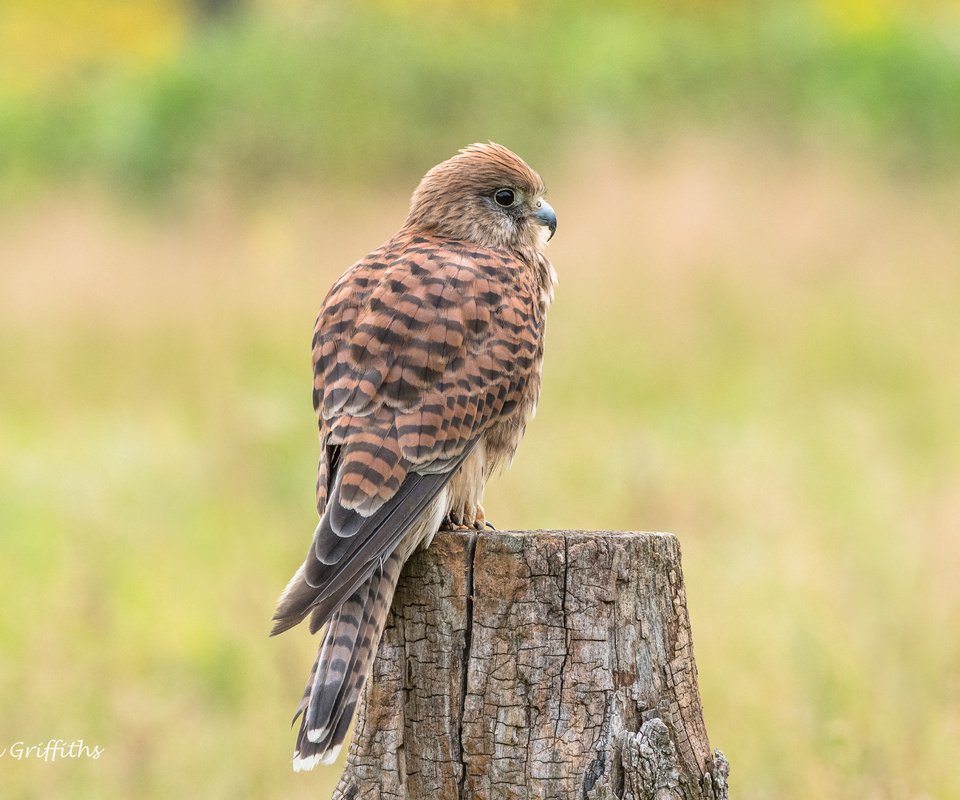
(480, 518)
(454, 521)
(465, 519)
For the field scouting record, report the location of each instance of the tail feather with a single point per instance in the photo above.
(308, 754)
(349, 644)
(305, 699)
(342, 646)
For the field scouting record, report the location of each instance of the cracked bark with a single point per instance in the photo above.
(568, 673)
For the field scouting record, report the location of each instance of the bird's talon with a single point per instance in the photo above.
(482, 523)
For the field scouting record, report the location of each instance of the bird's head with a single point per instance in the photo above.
(487, 195)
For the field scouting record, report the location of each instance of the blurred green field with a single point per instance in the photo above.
(754, 345)
(148, 96)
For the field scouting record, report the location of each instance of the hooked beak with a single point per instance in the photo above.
(545, 215)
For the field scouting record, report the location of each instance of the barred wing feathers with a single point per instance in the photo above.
(419, 350)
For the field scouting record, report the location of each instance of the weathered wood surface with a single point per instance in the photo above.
(549, 664)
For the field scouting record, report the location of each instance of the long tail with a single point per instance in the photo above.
(346, 652)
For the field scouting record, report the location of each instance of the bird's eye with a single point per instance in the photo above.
(505, 197)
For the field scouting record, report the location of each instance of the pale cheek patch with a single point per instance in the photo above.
(538, 236)
(543, 236)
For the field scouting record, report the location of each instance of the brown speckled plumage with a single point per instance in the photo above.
(427, 357)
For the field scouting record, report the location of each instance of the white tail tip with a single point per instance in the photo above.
(331, 755)
(305, 764)
(318, 734)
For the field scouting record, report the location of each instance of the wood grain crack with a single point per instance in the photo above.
(465, 663)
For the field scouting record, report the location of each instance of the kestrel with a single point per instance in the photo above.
(426, 360)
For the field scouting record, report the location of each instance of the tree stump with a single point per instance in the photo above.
(550, 664)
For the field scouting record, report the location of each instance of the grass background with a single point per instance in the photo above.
(754, 345)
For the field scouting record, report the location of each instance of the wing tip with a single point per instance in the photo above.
(294, 603)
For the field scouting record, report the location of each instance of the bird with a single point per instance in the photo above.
(427, 357)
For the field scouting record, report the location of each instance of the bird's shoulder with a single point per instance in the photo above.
(419, 288)
(426, 264)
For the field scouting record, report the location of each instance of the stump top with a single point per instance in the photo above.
(567, 534)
